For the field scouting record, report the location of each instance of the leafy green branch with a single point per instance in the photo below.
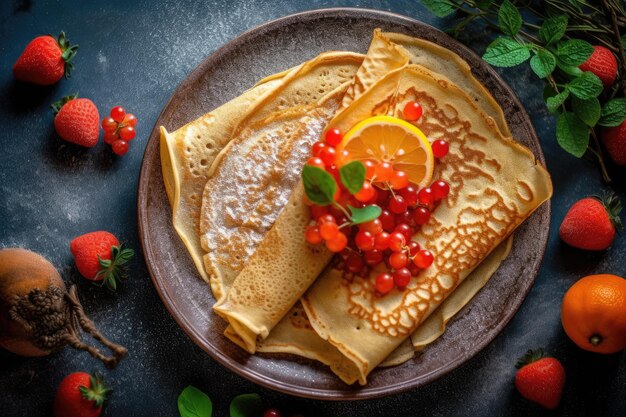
(555, 42)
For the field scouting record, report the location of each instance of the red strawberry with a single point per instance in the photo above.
(45, 60)
(614, 140)
(80, 395)
(591, 223)
(77, 120)
(540, 379)
(100, 257)
(602, 63)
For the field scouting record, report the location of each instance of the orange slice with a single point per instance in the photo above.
(386, 138)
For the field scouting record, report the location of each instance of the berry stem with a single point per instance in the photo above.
(595, 339)
(340, 207)
(598, 153)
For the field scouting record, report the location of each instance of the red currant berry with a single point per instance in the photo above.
(415, 270)
(426, 197)
(440, 148)
(312, 235)
(396, 241)
(110, 137)
(381, 241)
(333, 137)
(402, 277)
(317, 211)
(414, 247)
(388, 220)
(423, 259)
(370, 168)
(364, 240)
(317, 148)
(108, 124)
(374, 227)
(373, 257)
(316, 162)
(118, 113)
(406, 218)
(342, 157)
(384, 282)
(328, 155)
(354, 263)
(405, 229)
(272, 412)
(120, 147)
(328, 230)
(337, 243)
(421, 215)
(127, 133)
(366, 193)
(382, 197)
(129, 120)
(383, 172)
(398, 260)
(412, 111)
(399, 180)
(410, 195)
(441, 189)
(397, 204)
(326, 218)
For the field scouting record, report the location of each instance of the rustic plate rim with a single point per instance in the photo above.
(364, 393)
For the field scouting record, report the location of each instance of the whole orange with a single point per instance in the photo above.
(594, 313)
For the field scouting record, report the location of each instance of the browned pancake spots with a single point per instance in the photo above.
(298, 318)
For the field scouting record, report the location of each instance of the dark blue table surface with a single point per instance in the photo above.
(135, 53)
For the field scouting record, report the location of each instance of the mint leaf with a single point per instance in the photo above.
(587, 110)
(352, 176)
(574, 52)
(572, 134)
(320, 187)
(506, 52)
(585, 86)
(613, 112)
(365, 214)
(246, 405)
(553, 29)
(554, 102)
(543, 63)
(483, 4)
(194, 403)
(440, 8)
(509, 18)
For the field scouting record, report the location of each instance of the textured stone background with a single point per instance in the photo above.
(135, 53)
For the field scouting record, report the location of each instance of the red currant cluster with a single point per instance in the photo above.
(119, 129)
(405, 208)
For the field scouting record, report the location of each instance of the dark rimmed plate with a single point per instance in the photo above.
(268, 49)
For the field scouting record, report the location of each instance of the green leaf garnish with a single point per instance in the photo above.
(365, 214)
(440, 8)
(506, 52)
(586, 86)
(509, 18)
(554, 102)
(352, 176)
(194, 403)
(613, 112)
(574, 52)
(572, 134)
(553, 28)
(320, 186)
(543, 63)
(246, 405)
(587, 110)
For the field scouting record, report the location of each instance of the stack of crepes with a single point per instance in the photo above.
(233, 179)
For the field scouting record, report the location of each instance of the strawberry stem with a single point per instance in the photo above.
(68, 53)
(56, 106)
(113, 270)
(529, 357)
(96, 392)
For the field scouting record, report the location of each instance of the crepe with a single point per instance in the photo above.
(495, 185)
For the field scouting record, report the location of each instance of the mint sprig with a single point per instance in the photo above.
(556, 39)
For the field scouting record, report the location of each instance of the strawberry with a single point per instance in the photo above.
(614, 140)
(591, 222)
(100, 257)
(77, 120)
(540, 379)
(45, 60)
(602, 63)
(80, 395)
